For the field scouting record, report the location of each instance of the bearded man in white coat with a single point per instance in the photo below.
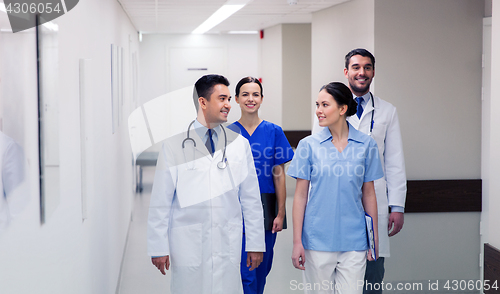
(379, 119)
(204, 187)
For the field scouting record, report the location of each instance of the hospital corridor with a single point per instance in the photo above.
(138, 275)
(235, 99)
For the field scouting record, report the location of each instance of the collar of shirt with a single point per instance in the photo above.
(354, 135)
(201, 130)
(366, 98)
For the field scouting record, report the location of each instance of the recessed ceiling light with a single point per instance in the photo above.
(243, 32)
(228, 9)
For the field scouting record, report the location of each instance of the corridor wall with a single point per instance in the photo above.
(285, 58)
(493, 217)
(240, 60)
(71, 253)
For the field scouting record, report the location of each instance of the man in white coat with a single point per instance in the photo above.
(204, 187)
(379, 119)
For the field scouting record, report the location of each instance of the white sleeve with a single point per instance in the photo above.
(251, 205)
(394, 162)
(160, 206)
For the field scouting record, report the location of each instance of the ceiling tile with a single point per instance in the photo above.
(182, 17)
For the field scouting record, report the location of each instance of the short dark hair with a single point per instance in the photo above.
(247, 80)
(204, 87)
(342, 95)
(359, 51)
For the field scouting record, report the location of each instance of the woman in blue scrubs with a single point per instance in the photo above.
(271, 151)
(335, 170)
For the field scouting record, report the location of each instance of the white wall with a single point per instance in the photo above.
(68, 255)
(242, 60)
(487, 8)
(494, 172)
(437, 87)
(246, 56)
(336, 31)
(271, 71)
(285, 57)
(486, 131)
(296, 76)
(428, 53)
(434, 246)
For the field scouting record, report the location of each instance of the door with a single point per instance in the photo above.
(187, 64)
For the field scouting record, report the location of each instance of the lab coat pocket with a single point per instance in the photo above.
(193, 185)
(186, 246)
(236, 174)
(235, 232)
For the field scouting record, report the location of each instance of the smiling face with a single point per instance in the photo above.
(360, 74)
(250, 98)
(327, 109)
(217, 107)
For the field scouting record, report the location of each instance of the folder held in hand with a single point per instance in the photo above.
(370, 233)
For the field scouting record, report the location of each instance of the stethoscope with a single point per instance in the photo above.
(221, 164)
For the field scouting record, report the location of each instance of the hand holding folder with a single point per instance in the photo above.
(370, 233)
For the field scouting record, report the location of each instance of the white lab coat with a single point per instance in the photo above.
(196, 211)
(391, 189)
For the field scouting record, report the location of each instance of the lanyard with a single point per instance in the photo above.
(373, 111)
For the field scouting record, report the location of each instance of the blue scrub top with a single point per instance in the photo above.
(270, 147)
(334, 218)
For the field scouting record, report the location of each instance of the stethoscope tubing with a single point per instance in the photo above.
(222, 164)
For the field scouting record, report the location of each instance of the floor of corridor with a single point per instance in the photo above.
(138, 274)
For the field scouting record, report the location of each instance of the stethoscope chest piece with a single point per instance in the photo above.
(221, 164)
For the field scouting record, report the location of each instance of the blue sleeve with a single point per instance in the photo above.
(283, 152)
(300, 167)
(373, 165)
(235, 128)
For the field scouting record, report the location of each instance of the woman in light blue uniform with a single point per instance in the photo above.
(335, 170)
(271, 151)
